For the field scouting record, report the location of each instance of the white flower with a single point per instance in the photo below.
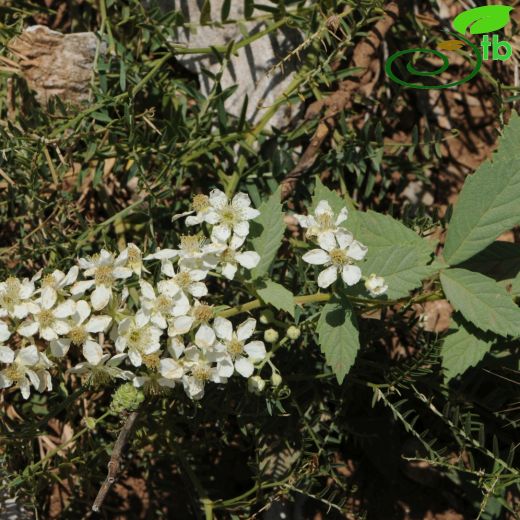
(101, 368)
(160, 307)
(199, 313)
(15, 298)
(376, 285)
(183, 283)
(171, 369)
(201, 368)
(338, 252)
(54, 284)
(49, 323)
(81, 328)
(201, 206)
(323, 221)
(229, 217)
(230, 257)
(152, 382)
(105, 270)
(133, 259)
(26, 368)
(138, 336)
(240, 354)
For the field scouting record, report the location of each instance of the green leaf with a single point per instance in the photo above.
(338, 337)
(481, 301)
(488, 18)
(394, 251)
(277, 295)
(488, 203)
(463, 348)
(205, 12)
(267, 233)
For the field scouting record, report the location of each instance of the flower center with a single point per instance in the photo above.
(151, 361)
(46, 318)
(10, 296)
(134, 255)
(338, 257)
(235, 347)
(48, 281)
(203, 312)
(325, 221)
(200, 202)
(78, 335)
(228, 215)
(228, 255)
(163, 304)
(15, 373)
(138, 338)
(183, 279)
(104, 275)
(201, 372)
(190, 243)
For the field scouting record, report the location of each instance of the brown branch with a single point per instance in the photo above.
(114, 463)
(364, 81)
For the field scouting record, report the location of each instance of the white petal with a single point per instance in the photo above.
(351, 274)
(241, 200)
(167, 268)
(48, 333)
(223, 328)
(198, 289)
(327, 241)
(229, 270)
(98, 324)
(344, 237)
(221, 233)
(248, 259)
(60, 347)
(218, 199)
(147, 290)
(92, 352)
(28, 355)
(316, 257)
(250, 213)
(323, 208)
(81, 287)
(327, 277)
(70, 277)
(303, 220)
(342, 216)
(135, 358)
(256, 350)
(225, 367)
(65, 309)
(357, 251)
(6, 354)
(141, 318)
(245, 330)
(100, 297)
(60, 327)
(212, 217)
(182, 324)
(49, 297)
(241, 228)
(28, 328)
(82, 310)
(244, 367)
(122, 272)
(181, 305)
(163, 254)
(170, 369)
(205, 336)
(25, 388)
(4, 331)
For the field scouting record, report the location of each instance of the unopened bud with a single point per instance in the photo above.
(271, 336)
(266, 317)
(276, 379)
(255, 385)
(293, 332)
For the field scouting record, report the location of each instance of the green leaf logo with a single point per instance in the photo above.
(484, 19)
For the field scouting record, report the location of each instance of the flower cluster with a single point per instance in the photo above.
(108, 312)
(338, 251)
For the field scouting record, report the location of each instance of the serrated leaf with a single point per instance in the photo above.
(394, 251)
(481, 301)
(338, 337)
(267, 232)
(465, 347)
(277, 295)
(485, 19)
(488, 203)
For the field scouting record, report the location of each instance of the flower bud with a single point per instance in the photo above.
(276, 379)
(271, 336)
(126, 398)
(293, 332)
(376, 285)
(255, 385)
